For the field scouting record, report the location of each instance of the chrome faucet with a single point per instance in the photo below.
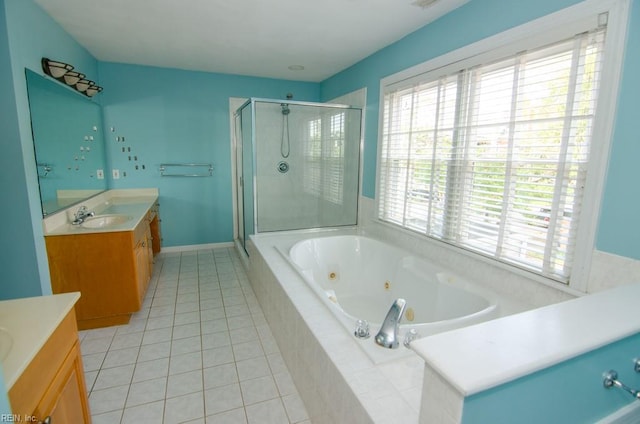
(81, 214)
(388, 334)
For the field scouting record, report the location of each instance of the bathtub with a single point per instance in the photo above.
(358, 278)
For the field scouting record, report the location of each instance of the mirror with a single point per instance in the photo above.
(68, 142)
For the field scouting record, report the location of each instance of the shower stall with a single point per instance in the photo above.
(297, 165)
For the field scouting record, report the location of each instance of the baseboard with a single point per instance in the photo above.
(191, 247)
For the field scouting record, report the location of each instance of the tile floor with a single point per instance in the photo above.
(199, 351)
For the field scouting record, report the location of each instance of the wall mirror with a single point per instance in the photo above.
(69, 143)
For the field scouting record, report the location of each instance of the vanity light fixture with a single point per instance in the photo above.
(64, 73)
(54, 68)
(83, 84)
(72, 77)
(93, 90)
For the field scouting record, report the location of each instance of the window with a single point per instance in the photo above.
(492, 157)
(325, 156)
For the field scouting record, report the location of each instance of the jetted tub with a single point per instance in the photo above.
(359, 278)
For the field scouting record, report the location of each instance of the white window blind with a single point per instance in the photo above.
(492, 158)
(325, 157)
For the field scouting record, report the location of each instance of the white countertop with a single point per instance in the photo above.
(477, 358)
(132, 202)
(30, 322)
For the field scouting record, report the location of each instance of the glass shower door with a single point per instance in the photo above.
(307, 170)
(243, 119)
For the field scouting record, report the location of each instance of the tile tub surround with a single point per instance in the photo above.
(336, 379)
(199, 351)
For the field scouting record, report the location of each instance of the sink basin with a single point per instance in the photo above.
(6, 342)
(105, 221)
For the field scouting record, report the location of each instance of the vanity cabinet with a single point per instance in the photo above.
(112, 270)
(154, 227)
(52, 385)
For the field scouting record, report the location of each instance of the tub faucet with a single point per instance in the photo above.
(388, 334)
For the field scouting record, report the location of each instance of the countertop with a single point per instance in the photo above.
(133, 203)
(30, 322)
(486, 355)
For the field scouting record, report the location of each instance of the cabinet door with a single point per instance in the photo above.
(142, 268)
(156, 233)
(65, 401)
(149, 251)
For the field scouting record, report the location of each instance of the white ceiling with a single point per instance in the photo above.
(247, 37)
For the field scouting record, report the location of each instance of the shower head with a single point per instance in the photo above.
(285, 108)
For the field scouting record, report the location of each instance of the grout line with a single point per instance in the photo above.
(202, 263)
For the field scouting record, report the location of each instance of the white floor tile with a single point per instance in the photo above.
(107, 400)
(121, 341)
(119, 357)
(184, 408)
(222, 399)
(147, 391)
(200, 346)
(146, 413)
(187, 330)
(269, 412)
(253, 368)
(235, 416)
(185, 383)
(151, 369)
(217, 356)
(187, 345)
(258, 390)
(154, 351)
(185, 362)
(111, 377)
(106, 418)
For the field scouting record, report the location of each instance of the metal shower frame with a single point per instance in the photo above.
(254, 160)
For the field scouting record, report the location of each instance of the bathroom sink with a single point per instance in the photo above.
(6, 342)
(105, 221)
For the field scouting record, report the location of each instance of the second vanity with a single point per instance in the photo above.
(108, 257)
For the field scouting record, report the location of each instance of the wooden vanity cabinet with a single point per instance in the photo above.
(154, 227)
(112, 270)
(52, 385)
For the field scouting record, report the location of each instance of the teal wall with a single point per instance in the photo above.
(618, 230)
(169, 115)
(18, 276)
(570, 392)
(173, 115)
(28, 34)
(177, 116)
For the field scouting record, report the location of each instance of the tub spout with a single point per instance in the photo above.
(388, 334)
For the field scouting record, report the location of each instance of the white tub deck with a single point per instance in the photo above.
(335, 377)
